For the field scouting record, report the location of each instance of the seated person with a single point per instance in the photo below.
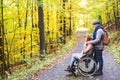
(86, 50)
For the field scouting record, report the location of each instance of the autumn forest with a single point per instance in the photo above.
(31, 30)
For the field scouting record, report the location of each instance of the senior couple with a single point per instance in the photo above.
(98, 44)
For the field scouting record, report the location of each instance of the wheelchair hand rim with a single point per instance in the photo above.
(87, 73)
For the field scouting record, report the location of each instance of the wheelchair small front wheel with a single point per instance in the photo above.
(87, 66)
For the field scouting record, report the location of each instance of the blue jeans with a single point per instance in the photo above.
(75, 55)
(99, 59)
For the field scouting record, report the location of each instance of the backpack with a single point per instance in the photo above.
(105, 37)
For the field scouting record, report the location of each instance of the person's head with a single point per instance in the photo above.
(96, 24)
(88, 38)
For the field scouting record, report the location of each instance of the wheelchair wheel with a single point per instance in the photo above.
(87, 66)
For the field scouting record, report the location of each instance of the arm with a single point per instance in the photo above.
(98, 37)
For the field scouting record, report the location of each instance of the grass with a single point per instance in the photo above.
(0, 77)
(36, 64)
(114, 46)
(115, 51)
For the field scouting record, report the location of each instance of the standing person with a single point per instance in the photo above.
(97, 42)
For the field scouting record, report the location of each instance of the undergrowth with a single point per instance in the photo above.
(114, 46)
(36, 64)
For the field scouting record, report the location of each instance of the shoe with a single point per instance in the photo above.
(68, 69)
(68, 75)
(98, 73)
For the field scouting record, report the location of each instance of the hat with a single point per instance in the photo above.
(96, 22)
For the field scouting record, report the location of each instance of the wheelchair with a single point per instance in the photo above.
(86, 65)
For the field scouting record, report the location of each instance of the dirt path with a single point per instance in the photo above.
(111, 70)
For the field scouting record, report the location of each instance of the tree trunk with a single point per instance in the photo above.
(64, 23)
(41, 29)
(117, 15)
(25, 25)
(31, 28)
(114, 12)
(70, 30)
(2, 58)
(19, 23)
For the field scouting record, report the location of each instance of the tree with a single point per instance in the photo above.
(41, 28)
(70, 29)
(25, 26)
(64, 22)
(2, 58)
(32, 26)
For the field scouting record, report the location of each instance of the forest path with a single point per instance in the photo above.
(111, 70)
